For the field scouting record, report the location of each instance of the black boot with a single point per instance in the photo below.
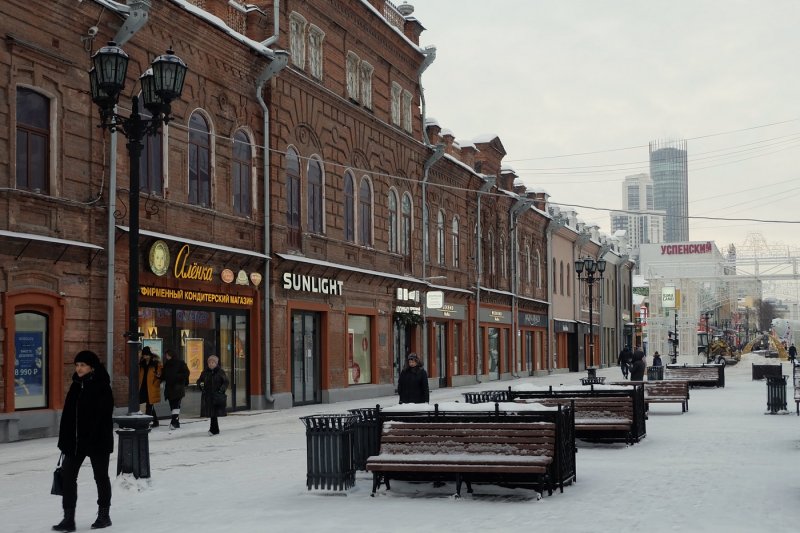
(103, 520)
(68, 523)
(174, 422)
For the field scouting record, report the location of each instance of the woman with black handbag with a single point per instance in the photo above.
(213, 382)
(87, 430)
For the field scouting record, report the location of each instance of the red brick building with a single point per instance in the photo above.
(300, 218)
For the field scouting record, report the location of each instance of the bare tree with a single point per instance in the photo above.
(766, 312)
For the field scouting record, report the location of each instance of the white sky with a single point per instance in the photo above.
(554, 78)
(723, 466)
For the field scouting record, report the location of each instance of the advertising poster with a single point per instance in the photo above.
(28, 374)
(193, 355)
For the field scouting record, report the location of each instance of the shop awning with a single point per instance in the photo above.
(211, 245)
(66, 243)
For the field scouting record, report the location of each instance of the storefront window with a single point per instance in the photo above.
(30, 360)
(359, 356)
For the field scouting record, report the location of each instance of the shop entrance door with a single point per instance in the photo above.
(306, 357)
(402, 347)
(234, 357)
(440, 330)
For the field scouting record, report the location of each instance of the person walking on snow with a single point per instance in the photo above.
(175, 376)
(86, 430)
(624, 361)
(149, 382)
(213, 382)
(638, 367)
(412, 385)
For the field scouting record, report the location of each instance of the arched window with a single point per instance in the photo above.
(503, 257)
(426, 229)
(241, 170)
(293, 197)
(456, 253)
(393, 220)
(538, 270)
(365, 212)
(315, 224)
(561, 278)
(555, 279)
(151, 162)
(199, 161)
(528, 273)
(349, 208)
(440, 238)
(492, 255)
(569, 280)
(33, 141)
(405, 236)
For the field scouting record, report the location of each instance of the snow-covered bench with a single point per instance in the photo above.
(490, 452)
(659, 391)
(712, 375)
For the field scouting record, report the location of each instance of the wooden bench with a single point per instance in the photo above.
(672, 391)
(712, 375)
(659, 391)
(598, 418)
(516, 453)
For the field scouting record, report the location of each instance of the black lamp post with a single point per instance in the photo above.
(161, 84)
(707, 315)
(589, 270)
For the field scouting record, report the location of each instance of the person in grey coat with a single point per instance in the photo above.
(213, 382)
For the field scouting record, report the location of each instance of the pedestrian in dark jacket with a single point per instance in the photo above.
(412, 385)
(657, 359)
(213, 383)
(624, 361)
(175, 376)
(792, 353)
(149, 382)
(638, 367)
(87, 430)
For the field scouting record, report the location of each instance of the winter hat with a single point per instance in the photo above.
(88, 357)
(146, 351)
(413, 356)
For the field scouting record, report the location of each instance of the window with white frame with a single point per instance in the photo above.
(393, 221)
(315, 200)
(456, 254)
(315, 38)
(407, 123)
(297, 39)
(502, 251)
(365, 212)
(397, 94)
(440, 255)
(349, 208)
(366, 84)
(405, 237)
(352, 74)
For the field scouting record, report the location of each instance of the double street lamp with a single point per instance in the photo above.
(160, 84)
(589, 271)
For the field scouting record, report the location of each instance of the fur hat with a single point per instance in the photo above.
(88, 357)
(413, 356)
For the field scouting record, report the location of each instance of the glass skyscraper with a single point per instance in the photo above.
(670, 175)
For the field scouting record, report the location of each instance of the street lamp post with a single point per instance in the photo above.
(589, 271)
(161, 84)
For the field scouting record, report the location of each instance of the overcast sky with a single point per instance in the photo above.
(604, 78)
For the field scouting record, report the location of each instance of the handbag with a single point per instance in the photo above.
(219, 399)
(57, 489)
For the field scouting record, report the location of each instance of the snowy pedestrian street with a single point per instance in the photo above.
(724, 465)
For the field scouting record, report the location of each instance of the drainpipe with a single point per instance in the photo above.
(490, 181)
(514, 213)
(279, 61)
(430, 54)
(136, 19)
(438, 152)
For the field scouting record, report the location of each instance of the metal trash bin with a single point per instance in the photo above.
(776, 394)
(655, 373)
(329, 451)
(366, 435)
(591, 371)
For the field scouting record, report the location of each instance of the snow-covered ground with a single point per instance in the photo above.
(723, 466)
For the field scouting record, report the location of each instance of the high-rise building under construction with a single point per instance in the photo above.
(670, 175)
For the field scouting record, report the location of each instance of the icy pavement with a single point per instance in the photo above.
(723, 466)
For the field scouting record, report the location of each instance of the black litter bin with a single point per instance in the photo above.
(329, 451)
(776, 394)
(655, 373)
(591, 371)
(366, 435)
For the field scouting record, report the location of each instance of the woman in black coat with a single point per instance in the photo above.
(412, 385)
(213, 383)
(638, 367)
(175, 376)
(87, 430)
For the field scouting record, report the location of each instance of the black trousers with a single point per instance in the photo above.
(69, 472)
(214, 424)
